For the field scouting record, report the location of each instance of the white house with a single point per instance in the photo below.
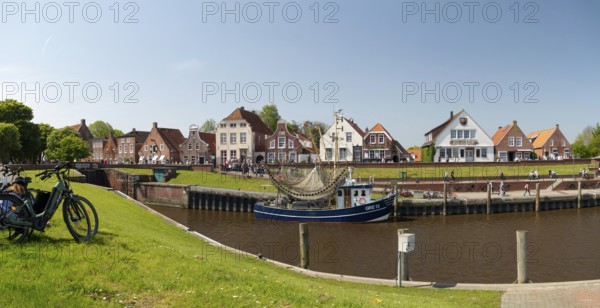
(460, 139)
(349, 138)
(241, 136)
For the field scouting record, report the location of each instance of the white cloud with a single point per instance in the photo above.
(46, 45)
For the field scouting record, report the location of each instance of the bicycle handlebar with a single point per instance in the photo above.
(48, 173)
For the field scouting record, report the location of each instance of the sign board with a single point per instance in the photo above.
(406, 242)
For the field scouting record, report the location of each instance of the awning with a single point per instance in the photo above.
(155, 157)
(162, 157)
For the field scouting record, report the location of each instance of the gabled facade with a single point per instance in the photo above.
(110, 150)
(83, 131)
(511, 144)
(161, 146)
(199, 147)
(130, 145)
(283, 146)
(380, 146)
(98, 145)
(241, 137)
(349, 139)
(550, 144)
(458, 139)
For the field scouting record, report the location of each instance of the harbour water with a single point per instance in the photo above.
(564, 244)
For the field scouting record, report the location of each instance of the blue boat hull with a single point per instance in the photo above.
(378, 210)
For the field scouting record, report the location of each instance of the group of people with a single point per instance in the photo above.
(446, 178)
(583, 173)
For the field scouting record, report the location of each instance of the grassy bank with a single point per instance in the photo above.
(137, 259)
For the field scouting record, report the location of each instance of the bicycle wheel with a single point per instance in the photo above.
(13, 210)
(81, 218)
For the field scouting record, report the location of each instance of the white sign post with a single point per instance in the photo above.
(406, 243)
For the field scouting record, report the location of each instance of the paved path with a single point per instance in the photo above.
(569, 296)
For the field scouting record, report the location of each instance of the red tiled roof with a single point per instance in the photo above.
(501, 133)
(172, 137)
(211, 139)
(252, 118)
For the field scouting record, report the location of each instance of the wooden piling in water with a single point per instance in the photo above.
(445, 198)
(304, 257)
(488, 203)
(522, 245)
(579, 194)
(537, 197)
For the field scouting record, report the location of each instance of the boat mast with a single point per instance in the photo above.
(337, 116)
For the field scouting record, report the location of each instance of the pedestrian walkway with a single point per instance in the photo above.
(579, 295)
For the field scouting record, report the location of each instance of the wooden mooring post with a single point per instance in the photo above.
(522, 251)
(445, 198)
(579, 194)
(304, 252)
(488, 203)
(537, 197)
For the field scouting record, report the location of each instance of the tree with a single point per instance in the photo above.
(45, 131)
(314, 130)
(65, 144)
(9, 139)
(270, 116)
(587, 143)
(209, 126)
(30, 142)
(293, 127)
(12, 111)
(101, 129)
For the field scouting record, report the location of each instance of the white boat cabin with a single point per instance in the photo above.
(353, 195)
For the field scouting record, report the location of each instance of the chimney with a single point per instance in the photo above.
(499, 127)
(133, 130)
(451, 114)
(82, 122)
(242, 108)
(154, 125)
(556, 126)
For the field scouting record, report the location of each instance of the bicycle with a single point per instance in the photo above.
(24, 215)
(6, 173)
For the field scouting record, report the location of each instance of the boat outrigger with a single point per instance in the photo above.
(321, 196)
(351, 203)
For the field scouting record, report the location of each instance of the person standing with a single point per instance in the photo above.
(501, 189)
(527, 191)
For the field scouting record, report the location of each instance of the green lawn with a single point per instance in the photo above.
(417, 171)
(137, 259)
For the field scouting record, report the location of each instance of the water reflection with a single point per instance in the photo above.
(564, 244)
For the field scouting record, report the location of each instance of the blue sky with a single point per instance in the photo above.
(370, 55)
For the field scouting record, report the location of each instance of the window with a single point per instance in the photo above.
(473, 134)
(232, 154)
(342, 154)
(290, 144)
(511, 141)
(567, 153)
(232, 138)
(551, 142)
(189, 146)
(242, 136)
(222, 125)
(454, 152)
(459, 134)
(232, 125)
(477, 153)
(270, 157)
(162, 146)
(449, 153)
(381, 138)
(564, 143)
(223, 138)
(328, 154)
(453, 134)
(131, 148)
(146, 147)
(442, 153)
(281, 142)
(519, 142)
(484, 152)
(467, 134)
(348, 136)
(281, 156)
(462, 152)
(340, 193)
(519, 156)
(373, 154)
(272, 144)
(243, 124)
(223, 156)
(502, 156)
(197, 146)
(120, 149)
(372, 139)
(122, 140)
(293, 157)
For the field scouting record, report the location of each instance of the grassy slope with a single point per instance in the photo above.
(137, 259)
